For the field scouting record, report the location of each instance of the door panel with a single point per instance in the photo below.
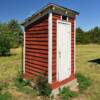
(63, 50)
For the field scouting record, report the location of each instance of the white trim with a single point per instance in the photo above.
(58, 9)
(74, 46)
(24, 54)
(63, 21)
(57, 70)
(67, 18)
(50, 48)
(35, 19)
(61, 18)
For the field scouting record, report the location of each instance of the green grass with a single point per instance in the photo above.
(10, 83)
(67, 94)
(84, 82)
(24, 86)
(5, 96)
(85, 53)
(10, 66)
(28, 90)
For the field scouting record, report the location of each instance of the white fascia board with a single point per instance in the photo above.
(50, 48)
(74, 46)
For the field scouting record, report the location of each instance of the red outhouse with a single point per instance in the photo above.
(49, 45)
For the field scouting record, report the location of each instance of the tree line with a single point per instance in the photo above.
(88, 37)
(11, 36)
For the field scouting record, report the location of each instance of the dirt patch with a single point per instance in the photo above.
(18, 95)
(21, 96)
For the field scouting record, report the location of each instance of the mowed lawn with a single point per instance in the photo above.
(87, 63)
(10, 65)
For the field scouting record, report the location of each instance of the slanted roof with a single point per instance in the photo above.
(49, 8)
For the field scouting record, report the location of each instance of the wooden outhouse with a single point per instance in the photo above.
(49, 45)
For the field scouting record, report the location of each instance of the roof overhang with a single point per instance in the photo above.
(47, 9)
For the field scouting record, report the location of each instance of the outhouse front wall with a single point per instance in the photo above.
(56, 83)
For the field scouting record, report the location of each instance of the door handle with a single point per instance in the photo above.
(59, 54)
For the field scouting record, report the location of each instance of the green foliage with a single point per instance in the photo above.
(3, 85)
(52, 97)
(43, 86)
(16, 30)
(24, 86)
(28, 90)
(10, 36)
(83, 81)
(5, 96)
(66, 93)
(20, 82)
(91, 36)
(79, 35)
(4, 44)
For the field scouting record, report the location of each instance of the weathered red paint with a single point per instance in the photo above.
(36, 48)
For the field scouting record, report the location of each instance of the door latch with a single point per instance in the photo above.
(59, 54)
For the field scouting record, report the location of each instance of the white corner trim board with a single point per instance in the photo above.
(50, 48)
(74, 46)
(24, 55)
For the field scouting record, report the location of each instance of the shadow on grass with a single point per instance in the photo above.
(97, 61)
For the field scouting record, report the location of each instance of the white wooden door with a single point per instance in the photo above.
(63, 50)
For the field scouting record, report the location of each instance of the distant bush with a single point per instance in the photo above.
(4, 44)
(87, 37)
(11, 36)
(83, 81)
(66, 93)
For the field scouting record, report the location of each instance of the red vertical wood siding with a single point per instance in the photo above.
(54, 45)
(36, 48)
(72, 44)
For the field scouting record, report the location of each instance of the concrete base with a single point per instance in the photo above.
(73, 85)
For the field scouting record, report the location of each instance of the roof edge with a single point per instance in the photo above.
(48, 7)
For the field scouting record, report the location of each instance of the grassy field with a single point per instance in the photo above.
(10, 65)
(87, 60)
(88, 63)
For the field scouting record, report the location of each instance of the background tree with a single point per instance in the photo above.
(15, 28)
(5, 43)
(10, 36)
(79, 35)
(86, 37)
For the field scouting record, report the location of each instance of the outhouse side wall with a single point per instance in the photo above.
(36, 48)
(55, 83)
